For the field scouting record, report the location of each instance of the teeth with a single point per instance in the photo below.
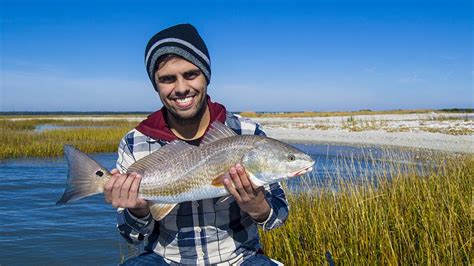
(184, 100)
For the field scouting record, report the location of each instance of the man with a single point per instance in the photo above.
(209, 231)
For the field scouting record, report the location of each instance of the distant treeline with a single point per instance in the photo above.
(253, 114)
(451, 110)
(458, 110)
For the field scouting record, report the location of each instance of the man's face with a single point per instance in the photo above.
(182, 88)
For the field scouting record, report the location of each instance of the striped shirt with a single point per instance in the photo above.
(209, 231)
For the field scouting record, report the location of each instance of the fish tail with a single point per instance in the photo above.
(85, 176)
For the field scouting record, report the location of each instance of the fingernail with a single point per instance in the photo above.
(226, 181)
(232, 170)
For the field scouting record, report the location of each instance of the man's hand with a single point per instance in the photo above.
(122, 191)
(251, 199)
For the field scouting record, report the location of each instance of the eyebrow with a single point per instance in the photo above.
(192, 71)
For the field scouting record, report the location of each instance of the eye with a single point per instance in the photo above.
(191, 74)
(291, 157)
(167, 79)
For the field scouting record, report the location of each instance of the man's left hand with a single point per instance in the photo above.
(251, 199)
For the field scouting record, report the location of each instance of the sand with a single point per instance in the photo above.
(426, 131)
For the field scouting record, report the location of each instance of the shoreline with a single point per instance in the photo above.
(448, 132)
(434, 131)
(426, 140)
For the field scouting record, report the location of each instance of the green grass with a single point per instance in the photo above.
(413, 219)
(19, 139)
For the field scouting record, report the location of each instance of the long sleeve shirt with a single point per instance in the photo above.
(209, 231)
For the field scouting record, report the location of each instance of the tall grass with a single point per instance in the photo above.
(19, 138)
(401, 215)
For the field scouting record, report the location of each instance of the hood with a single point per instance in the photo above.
(156, 126)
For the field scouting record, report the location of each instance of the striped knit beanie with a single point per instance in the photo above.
(182, 40)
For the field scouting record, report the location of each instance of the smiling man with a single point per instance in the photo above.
(211, 231)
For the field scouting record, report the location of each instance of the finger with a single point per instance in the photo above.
(230, 187)
(116, 190)
(133, 193)
(236, 179)
(256, 188)
(246, 184)
(125, 189)
(114, 171)
(108, 188)
(243, 195)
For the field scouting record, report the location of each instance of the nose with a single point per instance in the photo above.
(182, 87)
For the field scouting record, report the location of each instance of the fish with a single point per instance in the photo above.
(179, 172)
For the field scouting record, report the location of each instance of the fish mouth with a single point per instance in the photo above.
(302, 171)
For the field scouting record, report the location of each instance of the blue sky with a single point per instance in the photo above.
(266, 55)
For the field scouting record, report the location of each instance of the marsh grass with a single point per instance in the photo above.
(19, 138)
(450, 130)
(445, 117)
(353, 124)
(401, 214)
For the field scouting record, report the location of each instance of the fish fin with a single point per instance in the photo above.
(257, 182)
(216, 132)
(161, 155)
(85, 176)
(219, 180)
(222, 200)
(160, 210)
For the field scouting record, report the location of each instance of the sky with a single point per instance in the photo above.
(265, 55)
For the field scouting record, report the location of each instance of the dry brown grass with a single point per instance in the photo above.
(415, 216)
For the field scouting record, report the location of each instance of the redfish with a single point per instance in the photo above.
(179, 172)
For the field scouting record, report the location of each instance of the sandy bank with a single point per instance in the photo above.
(437, 131)
(426, 140)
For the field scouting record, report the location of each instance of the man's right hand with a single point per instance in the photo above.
(122, 191)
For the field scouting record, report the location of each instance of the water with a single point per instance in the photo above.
(35, 231)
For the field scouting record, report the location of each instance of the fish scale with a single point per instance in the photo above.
(179, 172)
(203, 166)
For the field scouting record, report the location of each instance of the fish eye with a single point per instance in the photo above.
(291, 157)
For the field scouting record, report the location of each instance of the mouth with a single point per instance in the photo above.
(184, 102)
(301, 171)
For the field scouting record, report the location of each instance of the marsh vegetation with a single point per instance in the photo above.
(400, 216)
(404, 213)
(18, 138)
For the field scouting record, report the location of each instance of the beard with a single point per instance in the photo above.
(192, 118)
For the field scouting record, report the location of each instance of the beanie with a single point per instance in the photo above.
(182, 40)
